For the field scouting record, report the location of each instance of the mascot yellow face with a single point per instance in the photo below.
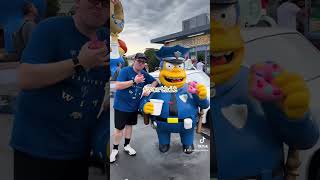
(227, 46)
(172, 74)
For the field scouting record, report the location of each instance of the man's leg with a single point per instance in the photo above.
(132, 120)
(128, 132)
(119, 122)
(117, 138)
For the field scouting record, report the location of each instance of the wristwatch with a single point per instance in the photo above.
(134, 83)
(77, 66)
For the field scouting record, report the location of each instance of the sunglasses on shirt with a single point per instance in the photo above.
(104, 3)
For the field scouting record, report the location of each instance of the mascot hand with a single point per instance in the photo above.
(148, 108)
(202, 91)
(296, 94)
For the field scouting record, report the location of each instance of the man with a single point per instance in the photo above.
(287, 14)
(62, 81)
(200, 65)
(22, 36)
(129, 86)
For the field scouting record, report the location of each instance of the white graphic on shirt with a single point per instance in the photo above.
(81, 82)
(76, 115)
(236, 114)
(67, 97)
(84, 91)
(95, 102)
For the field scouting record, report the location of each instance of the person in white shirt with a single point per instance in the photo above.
(200, 66)
(287, 14)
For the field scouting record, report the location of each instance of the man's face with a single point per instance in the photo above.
(139, 64)
(94, 13)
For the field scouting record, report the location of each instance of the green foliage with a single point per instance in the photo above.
(53, 7)
(200, 57)
(153, 62)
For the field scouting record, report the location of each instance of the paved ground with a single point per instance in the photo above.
(149, 163)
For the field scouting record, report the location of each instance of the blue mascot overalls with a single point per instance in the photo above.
(180, 108)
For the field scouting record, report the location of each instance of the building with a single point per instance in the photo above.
(67, 7)
(195, 34)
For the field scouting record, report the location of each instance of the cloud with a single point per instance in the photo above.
(147, 19)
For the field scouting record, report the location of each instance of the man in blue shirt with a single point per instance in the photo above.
(62, 82)
(129, 85)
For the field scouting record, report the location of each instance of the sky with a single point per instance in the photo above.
(149, 19)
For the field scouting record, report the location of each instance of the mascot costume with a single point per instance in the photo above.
(179, 103)
(118, 47)
(256, 110)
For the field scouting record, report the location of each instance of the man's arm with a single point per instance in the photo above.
(123, 85)
(39, 68)
(154, 83)
(33, 76)
(40, 75)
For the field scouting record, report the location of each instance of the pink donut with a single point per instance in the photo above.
(261, 84)
(192, 88)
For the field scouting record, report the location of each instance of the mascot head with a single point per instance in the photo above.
(227, 46)
(172, 72)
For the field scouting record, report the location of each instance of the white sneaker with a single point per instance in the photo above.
(113, 155)
(129, 150)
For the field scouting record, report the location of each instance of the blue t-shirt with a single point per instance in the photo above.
(128, 100)
(57, 121)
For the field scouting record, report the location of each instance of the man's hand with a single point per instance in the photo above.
(148, 108)
(201, 91)
(296, 94)
(146, 93)
(139, 79)
(90, 58)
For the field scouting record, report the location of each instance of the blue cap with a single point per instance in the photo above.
(173, 54)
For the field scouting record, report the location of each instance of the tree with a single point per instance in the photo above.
(126, 63)
(200, 57)
(53, 7)
(153, 62)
